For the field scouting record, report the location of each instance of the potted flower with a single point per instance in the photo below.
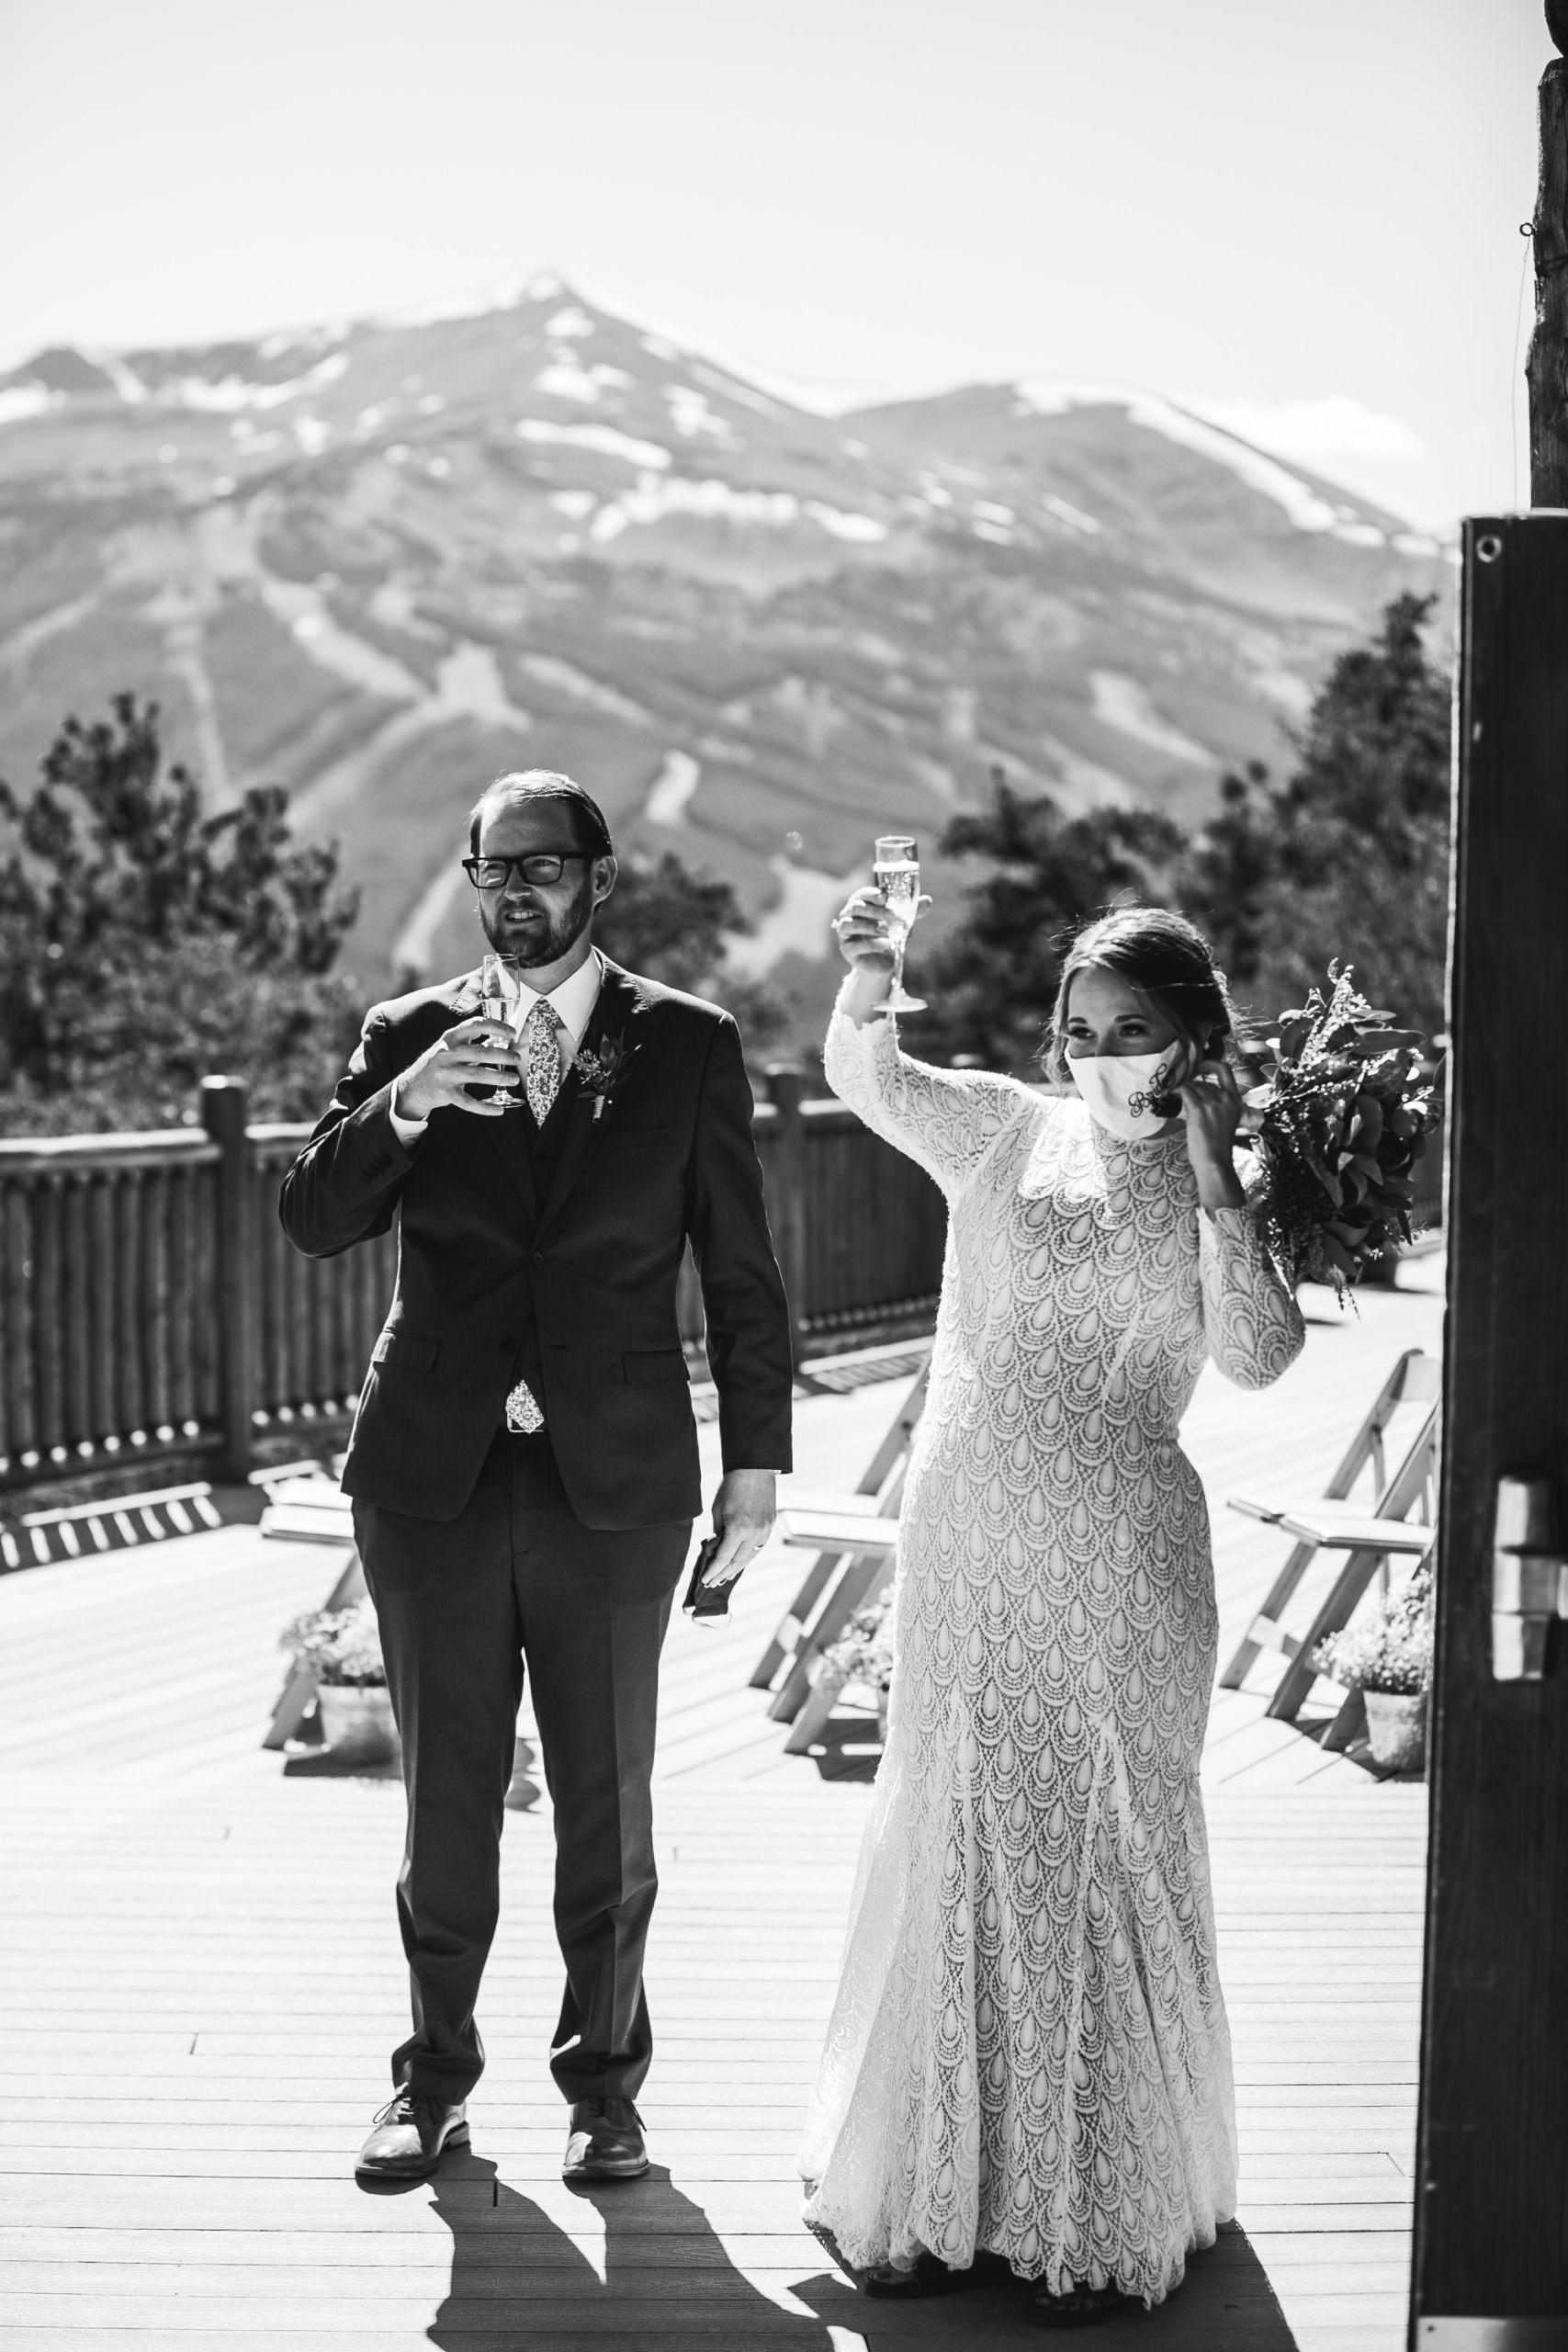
(863, 1654)
(342, 1647)
(1387, 1657)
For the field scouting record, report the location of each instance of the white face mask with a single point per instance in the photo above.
(1116, 1088)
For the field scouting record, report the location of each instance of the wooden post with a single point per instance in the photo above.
(1546, 370)
(225, 1104)
(786, 1199)
(1491, 2258)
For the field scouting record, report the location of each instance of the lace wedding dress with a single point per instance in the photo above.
(1029, 2051)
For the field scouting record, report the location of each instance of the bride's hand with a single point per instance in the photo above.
(863, 933)
(1211, 1105)
(862, 930)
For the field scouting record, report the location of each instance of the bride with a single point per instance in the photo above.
(1028, 2052)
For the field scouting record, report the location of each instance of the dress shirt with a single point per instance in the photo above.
(574, 1001)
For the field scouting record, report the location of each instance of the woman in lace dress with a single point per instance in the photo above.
(1028, 2052)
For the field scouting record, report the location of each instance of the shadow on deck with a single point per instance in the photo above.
(666, 2269)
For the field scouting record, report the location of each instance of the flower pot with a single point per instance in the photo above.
(356, 1723)
(1396, 1728)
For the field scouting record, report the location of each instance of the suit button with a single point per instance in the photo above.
(504, 1347)
(538, 1259)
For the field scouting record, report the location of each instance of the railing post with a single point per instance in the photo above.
(786, 1084)
(225, 1105)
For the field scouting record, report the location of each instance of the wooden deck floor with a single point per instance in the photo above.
(200, 1983)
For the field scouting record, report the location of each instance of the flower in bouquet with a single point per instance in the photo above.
(1338, 1129)
(339, 1645)
(1390, 1649)
(864, 1651)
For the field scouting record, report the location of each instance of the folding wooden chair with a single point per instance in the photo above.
(1368, 1545)
(304, 1505)
(1415, 1380)
(852, 1535)
(810, 1690)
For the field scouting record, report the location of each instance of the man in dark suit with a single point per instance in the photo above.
(524, 1462)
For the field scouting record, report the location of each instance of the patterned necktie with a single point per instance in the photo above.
(541, 1083)
(541, 1059)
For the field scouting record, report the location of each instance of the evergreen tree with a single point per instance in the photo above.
(143, 945)
(666, 920)
(991, 983)
(1349, 857)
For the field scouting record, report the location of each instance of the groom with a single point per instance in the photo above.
(524, 1462)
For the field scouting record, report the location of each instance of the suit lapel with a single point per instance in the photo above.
(617, 1002)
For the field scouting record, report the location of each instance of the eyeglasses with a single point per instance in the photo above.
(539, 867)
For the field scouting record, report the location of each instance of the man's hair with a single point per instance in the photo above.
(592, 834)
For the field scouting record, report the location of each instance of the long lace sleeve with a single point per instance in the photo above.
(1250, 1316)
(947, 1120)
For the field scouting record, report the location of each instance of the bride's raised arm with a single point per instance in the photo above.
(947, 1120)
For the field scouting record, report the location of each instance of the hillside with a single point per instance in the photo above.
(379, 561)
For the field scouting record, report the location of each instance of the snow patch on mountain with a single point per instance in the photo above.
(565, 678)
(415, 948)
(673, 788)
(798, 920)
(1065, 511)
(654, 500)
(228, 393)
(1306, 509)
(1120, 702)
(732, 389)
(564, 380)
(691, 415)
(601, 437)
(569, 324)
(22, 400)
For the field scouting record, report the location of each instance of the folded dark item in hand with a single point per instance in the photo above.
(705, 1603)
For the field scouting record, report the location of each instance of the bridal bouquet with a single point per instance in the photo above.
(1338, 1129)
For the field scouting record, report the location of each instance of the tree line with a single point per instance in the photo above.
(1346, 858)
(144, 942)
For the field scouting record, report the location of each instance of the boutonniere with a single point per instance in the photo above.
(598, 1073)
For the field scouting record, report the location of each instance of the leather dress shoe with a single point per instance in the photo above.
(409, 2137)
(605, 2141)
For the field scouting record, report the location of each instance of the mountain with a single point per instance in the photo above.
(379, 562)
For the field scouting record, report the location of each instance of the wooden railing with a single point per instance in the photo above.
(154, 1317)
(151, 1311)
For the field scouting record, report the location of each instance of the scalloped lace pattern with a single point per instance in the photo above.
(1029, 2051)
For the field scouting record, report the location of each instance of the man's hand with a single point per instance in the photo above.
(743, 1513)
(480, 1052)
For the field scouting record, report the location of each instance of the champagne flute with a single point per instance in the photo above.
(896, 870)
(496, 1008)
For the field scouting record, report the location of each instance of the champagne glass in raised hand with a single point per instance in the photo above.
(896, 874)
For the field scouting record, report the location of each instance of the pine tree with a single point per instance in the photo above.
(143, 944)
(991, 984)
(1349, 857)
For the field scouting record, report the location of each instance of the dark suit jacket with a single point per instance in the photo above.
(594, 1265)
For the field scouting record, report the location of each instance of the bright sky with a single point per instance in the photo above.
(1305, 219)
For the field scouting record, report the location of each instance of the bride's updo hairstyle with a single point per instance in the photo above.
(1171, 964)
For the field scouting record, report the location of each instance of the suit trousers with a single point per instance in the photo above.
(517, 1581)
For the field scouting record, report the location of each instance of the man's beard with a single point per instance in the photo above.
(546, 939)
